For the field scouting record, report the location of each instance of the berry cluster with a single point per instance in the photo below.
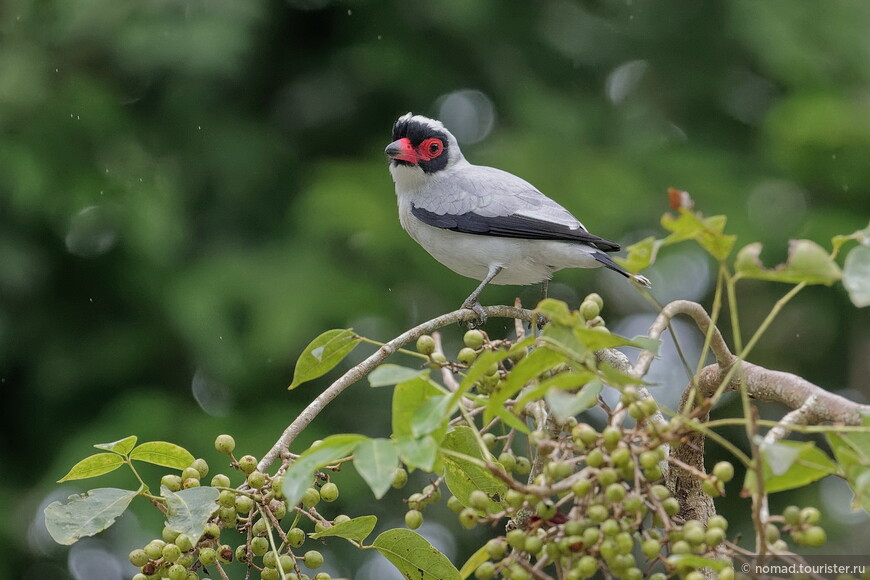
(256, 508)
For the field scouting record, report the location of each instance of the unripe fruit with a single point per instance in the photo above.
(792, 515)
(589, 309)
(489, 440)
(648, 459)
(478, 500)
(454, 505)
(620, 456)
(726, 573)
(651, 548)
(224, 444)
(583, 434)
(473, 338)
(296, 537)
(319, 576)
(243, 504)
(611, 436)
(177, 572)
(607, 476)
(225, 554)
(693, 532)
(171, 481)
(587, 566)
(138, 558)
(512, 497)
(310, 498)
(184, 542)
(171, 552)
(615, 492)
(413, 519)
(400, 478)
(466, 356)
(523, 466)
(468, 518)
(508, 460)
(671, 506)
(496, 548)
(710, 487)
(220, 480)
(260, 527)
(694, 575)
(581, 487)
(653, 473)
(278, 486)
(269, 574)
(154, 549)
(533, 544)
(270, 559)
(723, 471)
(278, 507)
(681, 547)
(168, 534)
(815, 537)
(340, 519)
(660, 492)
(717, 521)
(329, 492)
(516, 539)
(247, 464)
(313, 559)
(610, 527)
(485, 571)
(594, 297)
(714, 536)
(256, 479)
(207, 556)
(438, 357)
(591, 536)
(810, 515)
(546, 509)
(241, 553)
(426, 345)
(597, 513)
(201, 466)
(190, 482)
(595, 458)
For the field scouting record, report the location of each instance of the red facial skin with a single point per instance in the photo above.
(403, 150)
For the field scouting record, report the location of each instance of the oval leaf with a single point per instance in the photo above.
(463, 476)
(121, 446)
(93, 466)
(356, 530)
(190, 509)
(86, 514)
(163, 453)
(856, 275)
(300, 474)
(790, 464)
(418, 453)
(807, 262)
(389, 374)
(475, 560)
(323, 354)
(376, 461)
(414, 557)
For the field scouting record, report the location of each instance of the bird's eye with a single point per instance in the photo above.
(432, 147)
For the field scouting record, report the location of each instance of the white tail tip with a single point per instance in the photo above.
(642, 280)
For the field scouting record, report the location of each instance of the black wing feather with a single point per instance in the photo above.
(511, 226)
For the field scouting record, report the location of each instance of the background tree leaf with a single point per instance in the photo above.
(414, 557)
(790, 464)
(856, 275)
(807, 262)
(322, 355)
(86, 514)
(94, 465)
(163, 453)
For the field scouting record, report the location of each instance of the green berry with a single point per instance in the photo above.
(724, 471)
(473, 339)
(587, 566)
(201, 466)
(610, 527)
(714, 536)
(607, 476)
(184, 542)
(478, 500)
(489, 439)
(466, 356)
(651, 548)
(615, 492)
(138, 557)
(792, 515)
(426, 345)
(413, 519)
(321, 576)
(508, 460)
(671, 506)
(597, 513)
(168, 534)
(268, 573)
(177, 572)
(516, 539)
(329, 492)
(243, 504)
(815, 537)
(207, 556)
(310, 498)
(286, 562)
(172, 482)
(171, 552)
(512, 497)
(591, 536)
(190, 482)
(533, 544)
(589, 309)
(154, 549)
(717, 521)
(259, 545)
(523, 466)
(313, 559)
(621, 456)
(810, 515)
(247, 464)
(611, 436)
(595, 458)
(278, 508)
(278, 486)
(583, 435)
(546, 509)
(241, 554)
(454, 505)
(486, 571)
(468, 518)
(296, 537)
(225, 554)
(681, 547)
(581, 487)
(224, 444)
(496, 548)
(220, 480)
(594, 297)
(400, 478)
(256, 479)
(260, 527)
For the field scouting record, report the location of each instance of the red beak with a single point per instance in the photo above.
(402, 150)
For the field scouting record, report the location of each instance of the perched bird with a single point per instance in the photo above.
(481, 222)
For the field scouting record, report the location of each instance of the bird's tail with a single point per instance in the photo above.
(607, 262)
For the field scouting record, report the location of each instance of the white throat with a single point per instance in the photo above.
(408, 178)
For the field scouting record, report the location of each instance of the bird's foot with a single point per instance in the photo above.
(479, 310)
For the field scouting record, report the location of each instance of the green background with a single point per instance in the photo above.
(190, 191)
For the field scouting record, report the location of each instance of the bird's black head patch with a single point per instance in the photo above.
(424, 135)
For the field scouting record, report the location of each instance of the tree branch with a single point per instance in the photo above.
(365, 367)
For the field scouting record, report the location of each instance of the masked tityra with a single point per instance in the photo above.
(481, 222)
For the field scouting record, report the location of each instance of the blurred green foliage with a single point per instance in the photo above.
(192, 190)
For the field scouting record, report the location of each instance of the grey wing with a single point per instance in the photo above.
(484, 200)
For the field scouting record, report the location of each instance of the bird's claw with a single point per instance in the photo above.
(479, 311)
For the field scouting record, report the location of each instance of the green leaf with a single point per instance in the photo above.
(571, 380)
(596, 340)
(163, 453)
(558, 312)
(807, 262)
(414, 557)
(189, 510)
(389, 374)
(483, 364)
(463, 476)
(409, 396)
(852, 451)
(475, 560)
(300, 475)
(93, 466)
(856, 275)
(433, 414)
(355, 530)
(641, 255)
(535, 363)
(86, 514)
(707, 232)
(376, 461)
(322, 355)
(564, 405)
(562, 339)
(418, 453)
(790, 464)
(121, 446)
